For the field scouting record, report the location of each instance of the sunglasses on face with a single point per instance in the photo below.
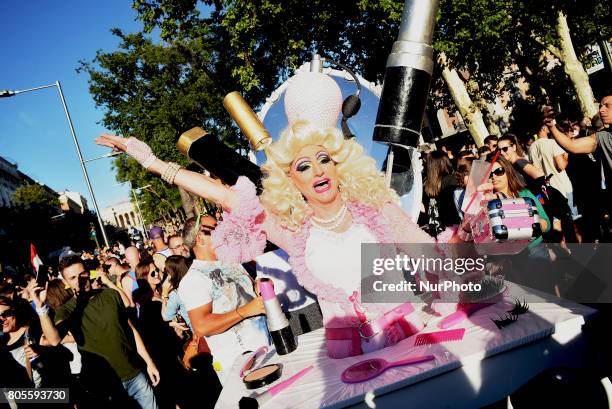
(505, 148)
(106, 267)
(205, 229)
(497, 172)
(154, 273)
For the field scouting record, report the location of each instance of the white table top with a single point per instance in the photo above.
(322, 386)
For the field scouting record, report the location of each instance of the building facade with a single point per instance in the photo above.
(122, 215)
(11, 179)
(73, 201)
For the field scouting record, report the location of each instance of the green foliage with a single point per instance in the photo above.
(36, 196)
(489, 37)
(156, 91)
(259, 40)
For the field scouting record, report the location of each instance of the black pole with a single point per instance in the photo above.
(408, 76)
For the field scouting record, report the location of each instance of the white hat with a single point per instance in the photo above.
(314, 97)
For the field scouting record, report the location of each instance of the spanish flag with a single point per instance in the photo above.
(34, 259)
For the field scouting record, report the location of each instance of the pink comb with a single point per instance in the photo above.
(440, 337)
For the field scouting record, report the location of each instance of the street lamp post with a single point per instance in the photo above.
(144, 230)
(11, 93)
(133, 190)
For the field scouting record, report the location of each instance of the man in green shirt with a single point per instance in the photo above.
(98, 321)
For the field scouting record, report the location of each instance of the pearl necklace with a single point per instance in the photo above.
(335, 221)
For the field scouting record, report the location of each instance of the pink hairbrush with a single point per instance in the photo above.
(371, 368)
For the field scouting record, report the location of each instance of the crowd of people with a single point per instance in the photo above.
(564, 166)
(142, 319)
(161, 324)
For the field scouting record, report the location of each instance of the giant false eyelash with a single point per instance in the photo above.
(506, 320)
(519, 307)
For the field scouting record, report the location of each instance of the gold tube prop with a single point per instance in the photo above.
(247, 121)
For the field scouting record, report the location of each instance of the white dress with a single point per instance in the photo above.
(334, 258)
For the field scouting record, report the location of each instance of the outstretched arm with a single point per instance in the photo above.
(588, 144)
(50, 331)
(581, 145)
(199, 184)
(193, 182)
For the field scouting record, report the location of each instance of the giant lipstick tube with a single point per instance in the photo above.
(211, 154)
(407, 77)
(278, 324)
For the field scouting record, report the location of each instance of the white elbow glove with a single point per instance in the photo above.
(140, 151)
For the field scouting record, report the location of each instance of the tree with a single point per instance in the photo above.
(36, 197)
(471, 114)
(155, 92)
(479, 37)
(499, 41)
(573, 67)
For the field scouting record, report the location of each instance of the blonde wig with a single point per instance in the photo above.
(358, 178)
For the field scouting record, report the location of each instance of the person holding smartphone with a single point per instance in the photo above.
(19, 368)
(101, 327)
(600, 141)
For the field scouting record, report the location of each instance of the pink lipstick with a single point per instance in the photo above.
(278, 325)
(322, 185)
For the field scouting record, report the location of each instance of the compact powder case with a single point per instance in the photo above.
(256, 376)
(262, 376)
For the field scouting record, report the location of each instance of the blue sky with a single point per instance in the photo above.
(42, 41)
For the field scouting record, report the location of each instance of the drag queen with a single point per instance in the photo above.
(322, 198)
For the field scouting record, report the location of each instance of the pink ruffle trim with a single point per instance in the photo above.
(362, 214)
(239, 237)
(447, 234)
(369, 216)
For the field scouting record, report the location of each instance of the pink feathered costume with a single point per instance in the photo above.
(241, 237)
